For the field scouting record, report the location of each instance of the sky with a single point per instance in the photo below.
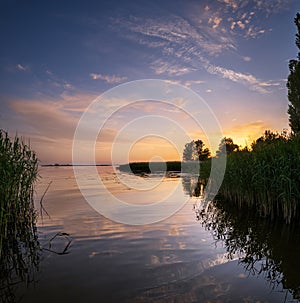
(57, 57)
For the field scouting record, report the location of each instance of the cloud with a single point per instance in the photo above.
(251, 81)
(246, 16)
(172, 69)
(57, 81)
(108, 79)
(264, 6)
(191, 41)
(22, 68)
(190, 83)
(76, 102)
(176, 35)
(247, 59)
(50, 124)
(215, 21)
(51, 118)
(241, 24)
(246, 133)
(45, 119)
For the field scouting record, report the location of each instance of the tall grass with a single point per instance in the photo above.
(18, 238)
(268, 177)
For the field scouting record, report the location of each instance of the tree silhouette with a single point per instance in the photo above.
(227, 146)
(293, 85)
(195, 150)
(202, 153)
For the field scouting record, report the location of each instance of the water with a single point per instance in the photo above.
(219, 256)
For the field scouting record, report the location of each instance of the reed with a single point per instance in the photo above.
(267, 177)
(18, 237)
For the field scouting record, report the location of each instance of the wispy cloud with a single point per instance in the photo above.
(190, 83)
(192, 41)
(247, 79)
(107, 78)
(186, 83)
(177, 35)
(22, 67)
(172, 69)
(57, 81)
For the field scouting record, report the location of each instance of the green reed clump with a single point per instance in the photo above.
(18, 238)
(18, 172)
(267, 177)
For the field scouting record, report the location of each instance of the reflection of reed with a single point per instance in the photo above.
(267, 247)
(19, 259)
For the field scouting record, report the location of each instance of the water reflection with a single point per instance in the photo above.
(170, 261)
(192, 185)
(265, 247)
(19, 258)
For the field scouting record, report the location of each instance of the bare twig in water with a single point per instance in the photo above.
(42, 208)
(65, 250)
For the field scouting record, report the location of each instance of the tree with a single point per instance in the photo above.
(293, 85)
(202, 153)
(227, 146)
(195, 151)
(190, 152)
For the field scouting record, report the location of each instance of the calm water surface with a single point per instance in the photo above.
(189, 257)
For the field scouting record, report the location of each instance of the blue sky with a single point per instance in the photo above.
(57, 56)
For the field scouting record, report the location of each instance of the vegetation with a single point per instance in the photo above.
(143, 167)
(267, 177)
(227, 146)
(195, 151)
(293, 85)
(18, 238)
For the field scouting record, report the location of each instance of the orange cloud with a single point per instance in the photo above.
(49, 124)
(245, 134)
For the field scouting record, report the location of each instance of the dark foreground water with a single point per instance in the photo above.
(219, 254)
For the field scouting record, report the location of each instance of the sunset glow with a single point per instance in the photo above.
(58, 58)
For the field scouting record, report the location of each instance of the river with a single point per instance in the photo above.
(217, 255)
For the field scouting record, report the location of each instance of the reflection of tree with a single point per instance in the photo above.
(192, 185)
(267, 247)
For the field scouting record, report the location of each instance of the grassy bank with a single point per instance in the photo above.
(268, 178)
(18, 238)
(170, 166)
(144, 167)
